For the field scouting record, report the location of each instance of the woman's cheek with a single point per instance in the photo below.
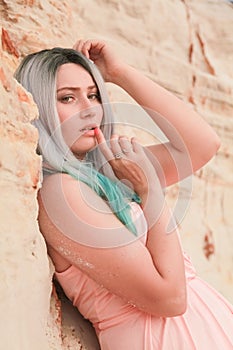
(63, 112)
(99, 113)
(70, 127)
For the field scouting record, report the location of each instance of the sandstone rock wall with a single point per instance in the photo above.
(185, 46)
(25, 275)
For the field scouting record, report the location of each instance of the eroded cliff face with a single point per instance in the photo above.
(186, 46)
(25, 275)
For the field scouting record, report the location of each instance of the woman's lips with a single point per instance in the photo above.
(88, 130)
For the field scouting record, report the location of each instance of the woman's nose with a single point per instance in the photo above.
(87, 113)
(86, 109)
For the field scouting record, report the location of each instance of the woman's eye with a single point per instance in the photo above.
(66, 99)
(94, 96)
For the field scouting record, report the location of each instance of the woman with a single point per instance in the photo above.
(102, 211)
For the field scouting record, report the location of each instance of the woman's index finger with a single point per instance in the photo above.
(102, 144)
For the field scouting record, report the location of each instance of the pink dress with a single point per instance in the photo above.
(207, 323)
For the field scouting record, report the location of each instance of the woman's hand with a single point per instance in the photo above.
(130, 163)
(102, 55)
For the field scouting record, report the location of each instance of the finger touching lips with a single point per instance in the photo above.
(103, 144)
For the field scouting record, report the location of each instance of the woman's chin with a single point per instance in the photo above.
(81, 153)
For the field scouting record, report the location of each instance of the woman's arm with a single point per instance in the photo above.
(150, 277)
(191, 141)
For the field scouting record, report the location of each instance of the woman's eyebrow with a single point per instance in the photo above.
(92, 87)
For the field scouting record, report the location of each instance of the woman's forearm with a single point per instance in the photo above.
(164, 246)
(162, 242)
(184, 128)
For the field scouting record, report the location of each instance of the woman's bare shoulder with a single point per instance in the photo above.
(73, 209)
(66, 195)
(66, 185)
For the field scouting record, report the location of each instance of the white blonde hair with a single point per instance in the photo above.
(37, 73)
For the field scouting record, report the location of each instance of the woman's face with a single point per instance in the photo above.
(79, 108)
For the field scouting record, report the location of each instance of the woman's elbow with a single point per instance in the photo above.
(172, 306)
(176, 306)
(206, 152)
(216, 143)
(212, 147)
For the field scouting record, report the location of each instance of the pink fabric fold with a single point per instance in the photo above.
(206, 325)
